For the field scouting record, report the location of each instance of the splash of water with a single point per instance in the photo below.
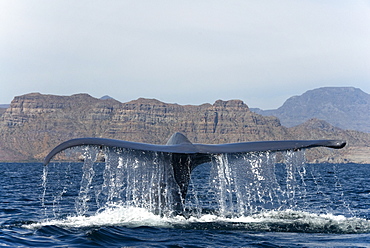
(138, 188)
(245, 184)
(138, 179)
(129, 178)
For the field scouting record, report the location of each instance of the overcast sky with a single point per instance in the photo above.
(186, 52)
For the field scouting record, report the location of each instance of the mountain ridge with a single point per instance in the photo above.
(35, 123)
(343, 107)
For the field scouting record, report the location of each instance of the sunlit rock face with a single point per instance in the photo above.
(35, 123)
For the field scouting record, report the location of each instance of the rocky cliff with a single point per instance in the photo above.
(356, 151)
(35, 123)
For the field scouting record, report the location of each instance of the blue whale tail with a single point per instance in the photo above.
(185, 156)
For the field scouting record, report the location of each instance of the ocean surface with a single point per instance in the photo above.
(248, 201)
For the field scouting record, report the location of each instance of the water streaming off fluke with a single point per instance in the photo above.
(251, 191)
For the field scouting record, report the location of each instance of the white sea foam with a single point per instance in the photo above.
(111, 216)
(287, 221)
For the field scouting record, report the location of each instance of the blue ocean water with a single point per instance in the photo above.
(286, 205)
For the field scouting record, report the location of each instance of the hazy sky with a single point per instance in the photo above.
(186, 52)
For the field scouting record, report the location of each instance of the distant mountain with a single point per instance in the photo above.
(343, 107)
(106, 97)
(3, 108)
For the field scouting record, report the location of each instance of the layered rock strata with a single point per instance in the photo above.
(35, 123)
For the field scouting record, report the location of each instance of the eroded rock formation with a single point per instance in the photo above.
(35, 123)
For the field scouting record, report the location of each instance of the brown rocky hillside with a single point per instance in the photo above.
(35, 123)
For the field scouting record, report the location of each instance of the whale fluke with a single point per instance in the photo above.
(179, 143)
(185, 156)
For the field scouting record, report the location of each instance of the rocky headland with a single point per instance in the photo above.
(34, 123)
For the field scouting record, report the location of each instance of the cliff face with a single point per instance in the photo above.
(35, 123)
(356, 151)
